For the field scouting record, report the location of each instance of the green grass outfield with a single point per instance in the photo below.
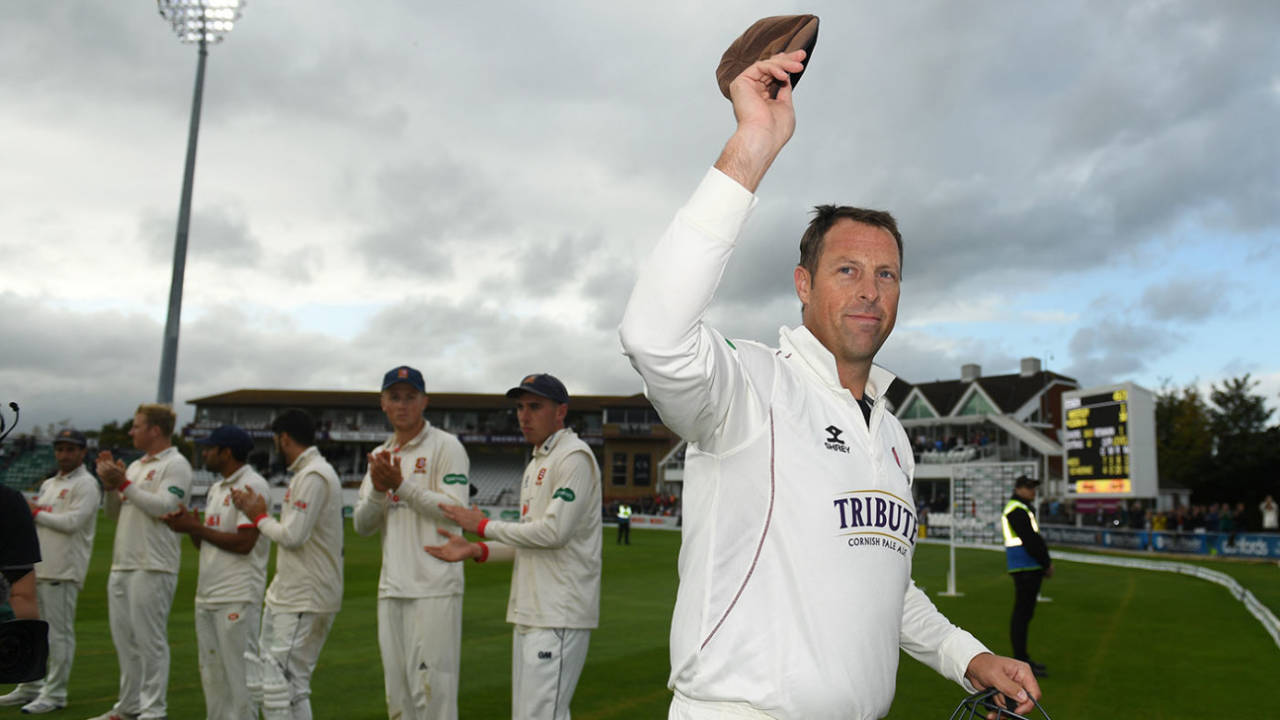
(1119, 643)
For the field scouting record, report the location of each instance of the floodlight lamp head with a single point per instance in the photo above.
(206, 21)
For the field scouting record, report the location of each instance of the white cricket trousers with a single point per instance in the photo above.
(227, 638)
(138, 603)
(545, 666)
(57, 601)
(686, 708)
(421, 643)
(290, 646)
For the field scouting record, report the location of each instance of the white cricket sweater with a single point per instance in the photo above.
(308, 538)
(66, 516)
(798, 530)
(555, 582)
(434, 466)
(225, 576)
(157, 485)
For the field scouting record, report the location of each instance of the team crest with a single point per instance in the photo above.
(151, 475)
(402, 373)
(420, 466)
(541, 474)
(63, 493)
(233, 617)
(300, 505)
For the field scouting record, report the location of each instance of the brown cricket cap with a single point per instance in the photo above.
(766, 38)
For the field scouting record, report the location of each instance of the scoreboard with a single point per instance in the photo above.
(1109, 441)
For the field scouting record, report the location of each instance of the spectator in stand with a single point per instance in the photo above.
(1209, 520)
(1241, 520)
(1270, 514)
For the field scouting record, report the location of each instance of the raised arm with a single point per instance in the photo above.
(371, 508)
(570, 501)
(691, 373)
(453, 467)
(307, 495)
(173, 488)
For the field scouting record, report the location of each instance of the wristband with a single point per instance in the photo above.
(484, 552)
(259, 519)
(124, 485)
(480, 528)
(37, 511)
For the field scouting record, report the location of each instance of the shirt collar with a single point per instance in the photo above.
(800, 342)
(162, 454)
(413, 442)
(302, 460)
(546, 446)
(234, 477)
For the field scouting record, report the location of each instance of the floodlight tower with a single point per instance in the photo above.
(204, 23)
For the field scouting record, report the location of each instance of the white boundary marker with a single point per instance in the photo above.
(1261, 612)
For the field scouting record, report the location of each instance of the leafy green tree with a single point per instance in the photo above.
(1184, 440)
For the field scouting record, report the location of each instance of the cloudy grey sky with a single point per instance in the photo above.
(469, 188)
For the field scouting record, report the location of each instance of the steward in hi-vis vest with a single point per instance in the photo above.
(1027, 558)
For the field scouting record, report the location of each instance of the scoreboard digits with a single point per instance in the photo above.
(1097, 442)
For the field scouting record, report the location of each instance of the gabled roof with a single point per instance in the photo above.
(1011, 392)
(943, 394)
(897, 393)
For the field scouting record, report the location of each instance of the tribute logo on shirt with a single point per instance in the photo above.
(833, 442)
(876, 518)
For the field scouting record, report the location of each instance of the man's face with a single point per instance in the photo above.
(142, 432)
(539, 417)
(404, 405)
(215, 458)
(68, 455)
(1025, 492)
(851, 302)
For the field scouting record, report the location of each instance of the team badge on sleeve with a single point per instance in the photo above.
(564, 494)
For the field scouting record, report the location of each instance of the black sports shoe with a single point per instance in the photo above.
(1037, 669)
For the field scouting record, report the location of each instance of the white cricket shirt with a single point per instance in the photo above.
(157, 485)
(798, 531)
(308, 538)
(66, 516)
(434, 466)
(225, 576)
(555, 582)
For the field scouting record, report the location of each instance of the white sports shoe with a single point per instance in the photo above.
(40, 707)
(17, 697)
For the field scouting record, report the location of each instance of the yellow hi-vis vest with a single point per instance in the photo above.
(1015, 555)
(624, 512)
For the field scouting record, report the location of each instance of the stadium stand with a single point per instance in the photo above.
(496, 478)
(25, 470)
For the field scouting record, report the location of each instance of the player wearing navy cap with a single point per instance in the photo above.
(233, 575)
(795, 596)
(555, 583)
(417, 469)
(65, 516)
(145, 560)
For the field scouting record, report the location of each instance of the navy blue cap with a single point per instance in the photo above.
(229, 436)
(548, 386)
(404, 374)
(1024, 481)
(74, 437)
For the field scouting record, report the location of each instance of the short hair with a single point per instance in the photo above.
(298, 424)
(825, 216)
(158, 415)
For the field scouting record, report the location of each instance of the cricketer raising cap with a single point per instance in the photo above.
(548, 386)
(404, 374)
